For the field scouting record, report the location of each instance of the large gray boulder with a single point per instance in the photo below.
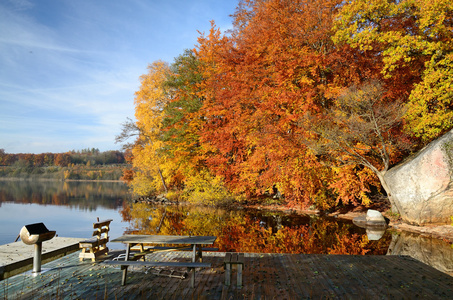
(421, 187)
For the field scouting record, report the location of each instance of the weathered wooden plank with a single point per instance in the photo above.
(170, 264)
(165, 239)
(422, 277)
(287, 281)
(171, 288)
(270, 276)
(206, 279)
(368, 267)
(102, 223)
(154, 285)
(17, 257)
(260, 277)
(330, 274)
(345, 276)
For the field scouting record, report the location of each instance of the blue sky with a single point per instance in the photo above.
(69, 69)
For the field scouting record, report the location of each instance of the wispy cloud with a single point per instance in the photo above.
(69, 69)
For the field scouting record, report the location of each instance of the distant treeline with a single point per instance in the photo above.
(87, 156)
(87, 164)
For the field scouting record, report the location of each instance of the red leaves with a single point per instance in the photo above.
(260, 83)
(248, 105)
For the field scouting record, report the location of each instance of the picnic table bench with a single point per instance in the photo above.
(141, 241)
(173, 264)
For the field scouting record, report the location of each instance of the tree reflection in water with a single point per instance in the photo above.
(254, 231)
(84, 195)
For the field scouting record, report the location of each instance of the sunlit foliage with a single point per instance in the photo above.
(309, 100)
(150, 101)
(412, 36)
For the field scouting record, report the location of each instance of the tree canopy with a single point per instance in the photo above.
(310, 99)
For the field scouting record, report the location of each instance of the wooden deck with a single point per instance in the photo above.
(17, 257)
(265, 276)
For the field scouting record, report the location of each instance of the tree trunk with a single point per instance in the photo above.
(394, 207)
(163, 180)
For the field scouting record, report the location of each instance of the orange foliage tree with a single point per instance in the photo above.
(363, 128)
(276, 67)
(244, 108)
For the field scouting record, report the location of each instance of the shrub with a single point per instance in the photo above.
(206, 189)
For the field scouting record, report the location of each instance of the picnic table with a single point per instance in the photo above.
(164, 242)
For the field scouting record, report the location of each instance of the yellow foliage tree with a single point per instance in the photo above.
(414, 36)
(150, 100)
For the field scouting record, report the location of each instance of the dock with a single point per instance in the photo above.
(265, 276)
(17, 257)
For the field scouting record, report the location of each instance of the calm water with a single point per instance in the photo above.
(70, 208)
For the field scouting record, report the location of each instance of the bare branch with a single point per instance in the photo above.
(129, 130)
(359, 128)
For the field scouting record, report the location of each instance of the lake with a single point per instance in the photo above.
(70, 208)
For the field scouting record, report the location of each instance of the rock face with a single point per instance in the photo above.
(422, 186)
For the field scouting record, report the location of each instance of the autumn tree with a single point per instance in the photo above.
(3, 157)
(276, 66)
(363, 128)
(150, 102)
(62, 159)
(409, 37)
(243, 108)
(38, 160)
(181, 121)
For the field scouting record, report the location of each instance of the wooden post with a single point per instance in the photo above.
(230, 260)
(123, 279)
(192, 278)
(227, 274)
(239, 281)
(227, 263)
(194, 258)
(200, 254)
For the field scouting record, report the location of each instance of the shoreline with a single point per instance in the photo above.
(58, 180)
(439, 231)
(442, 232)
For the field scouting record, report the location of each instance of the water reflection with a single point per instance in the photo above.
(82, 195)
(433, 252)
(255, 231)
(375, 234)
(275, 232)
(70, 208)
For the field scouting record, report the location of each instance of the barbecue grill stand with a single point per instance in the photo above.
(35, 234)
